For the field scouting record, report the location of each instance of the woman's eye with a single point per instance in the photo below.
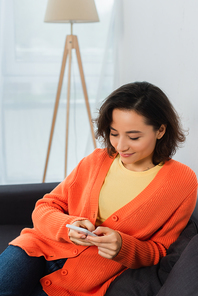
(134, 138)
(114, 135)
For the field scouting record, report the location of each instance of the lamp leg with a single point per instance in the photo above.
(84, 90)
(68, 107)
(56, 107)
(71, 42)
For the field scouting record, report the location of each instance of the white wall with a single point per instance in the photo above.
(159, 43)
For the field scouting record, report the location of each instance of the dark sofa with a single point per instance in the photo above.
(16, 205)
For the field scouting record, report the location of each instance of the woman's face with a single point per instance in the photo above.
(133, 139)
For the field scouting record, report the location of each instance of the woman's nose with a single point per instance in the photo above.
(122, 145)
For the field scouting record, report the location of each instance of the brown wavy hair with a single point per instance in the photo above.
(152, 103)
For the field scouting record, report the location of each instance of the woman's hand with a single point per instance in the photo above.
(109, 244)
(79, 238)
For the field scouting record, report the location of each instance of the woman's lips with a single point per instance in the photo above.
(126, 154)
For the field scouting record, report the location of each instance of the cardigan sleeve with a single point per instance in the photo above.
(50, 215)
(70, 200)
(136, 253)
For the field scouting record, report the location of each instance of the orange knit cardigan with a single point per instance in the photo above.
(148, 225)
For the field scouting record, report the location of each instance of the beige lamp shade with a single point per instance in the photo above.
(71, 11)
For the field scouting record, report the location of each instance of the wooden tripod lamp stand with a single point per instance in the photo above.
(70, 11)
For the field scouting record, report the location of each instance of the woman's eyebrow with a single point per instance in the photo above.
(134, 132)
(113, 129)
(128, 132)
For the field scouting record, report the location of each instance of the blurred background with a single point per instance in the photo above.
(154, 41)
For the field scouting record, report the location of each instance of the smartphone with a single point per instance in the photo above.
(81, 230)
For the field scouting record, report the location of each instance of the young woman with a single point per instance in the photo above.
(131, 194)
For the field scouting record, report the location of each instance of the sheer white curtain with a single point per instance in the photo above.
(30, 60)
(2, 156)
(158, 43)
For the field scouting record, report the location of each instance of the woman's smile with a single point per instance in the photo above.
(126, 154)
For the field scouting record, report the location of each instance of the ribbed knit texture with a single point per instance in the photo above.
(148, 225)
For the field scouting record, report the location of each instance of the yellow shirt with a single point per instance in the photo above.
(120, 187)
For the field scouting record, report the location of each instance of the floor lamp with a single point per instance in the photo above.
(70, 11)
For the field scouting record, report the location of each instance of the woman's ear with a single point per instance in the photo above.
(161, 131)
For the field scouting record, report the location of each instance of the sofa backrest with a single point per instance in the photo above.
(17, 201)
